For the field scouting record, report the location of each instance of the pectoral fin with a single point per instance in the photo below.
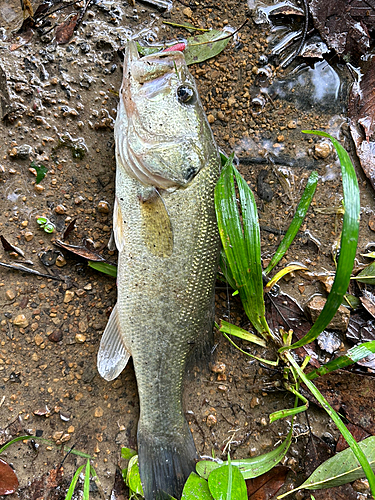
(156, 225)
(113, 355)
(118, 227)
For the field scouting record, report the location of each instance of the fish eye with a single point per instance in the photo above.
(185, 94)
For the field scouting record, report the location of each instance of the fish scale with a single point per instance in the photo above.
(166, 233)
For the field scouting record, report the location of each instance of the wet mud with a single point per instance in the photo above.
(58, 105)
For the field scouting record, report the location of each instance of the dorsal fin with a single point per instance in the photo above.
(156, 225)
(113, 355)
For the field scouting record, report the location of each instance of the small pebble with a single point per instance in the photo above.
(210, 118)
(103, 207)
(57, 435)
(21, 321)
(38, 339)
(371, 222)
(10, 294)
(322, 149)
(220, 115)
(187, 12)
(28, 236)
(231, 101)
(65, 437)
(80, 338)
(56, 336)
(38, 188)
(98, 412)
(218, 368)
(292, 124)
(69, 295)
(60, 261)
(60, 209)
(211, 420)
(222, 388)
(24, 223)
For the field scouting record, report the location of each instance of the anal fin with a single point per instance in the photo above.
(113, 354)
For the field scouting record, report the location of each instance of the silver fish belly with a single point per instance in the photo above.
(166, 234)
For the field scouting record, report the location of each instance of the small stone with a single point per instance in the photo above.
(88, 287)
(221, 377)
(78, 396)
(38, 339)
(187, 12)
(57, 435)
(78, 200)
(211, 420)
(71, 429)
(231, 101)
(24, 223)
(210, 118)
(10, 294)
(69, 295)
(329, 341)
(98, 412)
(254, 402)
(280, 138)
(56, 336)
(65, 437)
(34, 357)
(65, 416)
(28, 236)
(340, 320)
(103, 207)
(222, 388)
(60, 261)
(21, 321)
(218, 368)
(38, 188)
(292, 124)
(322, 149)
(80, 338)
(22, 152)
(60, 209)
(371, 222)
(220, 115)
(117, 384)
(361, 485)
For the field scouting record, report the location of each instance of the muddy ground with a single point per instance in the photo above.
(63, 101)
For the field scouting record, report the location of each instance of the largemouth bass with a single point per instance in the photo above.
(168, 243)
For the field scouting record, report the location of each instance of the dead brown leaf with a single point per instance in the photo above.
(81, 251)
(351, 394)
(50, 486)
(357, 432)
(64, 31)
(8, 479)
(344, 24)
(267, 485)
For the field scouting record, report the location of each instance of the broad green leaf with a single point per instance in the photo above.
(41, 171)
(202, 47)
(241, 243)
(133, 478)
(250, 467)
(298, 218)
(146, 51)
(352, 356)
(351, 301)
(86, 484)
(342, 468)
(348, 247)
(241, 333)
(220, 479)
(367, 275)
(196, 488)
(104, 267)
(127, 453)
(73, 483)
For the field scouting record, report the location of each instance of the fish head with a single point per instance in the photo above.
(162, 135)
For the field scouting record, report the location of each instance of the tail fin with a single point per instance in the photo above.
(164, 466)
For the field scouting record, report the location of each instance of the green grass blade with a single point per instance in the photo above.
(241, 243)
(349, 240)
(298, 218)
(104, 267)
(250, 467)
(261, 360)
(73, 483)
(358, 452)
(86, 484)
(352, 356)
(225, 269)
(240, 333)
